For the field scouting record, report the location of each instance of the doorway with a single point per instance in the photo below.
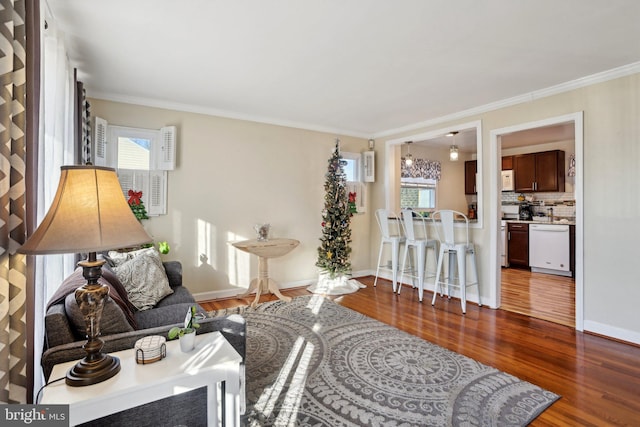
(495, 198)
(540, 295)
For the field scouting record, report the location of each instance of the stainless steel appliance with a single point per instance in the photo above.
(525, 212)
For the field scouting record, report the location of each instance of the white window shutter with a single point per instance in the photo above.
(157, 201)
(166, 156)
(125, 176)
(361, 198)
(369, 166)
(136, 180)
(100, 142)
(141, 183)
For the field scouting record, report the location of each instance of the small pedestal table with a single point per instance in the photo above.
(265, 249)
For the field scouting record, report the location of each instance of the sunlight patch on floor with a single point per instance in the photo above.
(289, 412)
(295, 366)
(315, 302)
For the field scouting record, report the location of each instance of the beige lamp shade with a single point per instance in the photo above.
(89, 214)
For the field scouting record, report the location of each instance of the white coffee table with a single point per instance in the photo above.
(212, 362)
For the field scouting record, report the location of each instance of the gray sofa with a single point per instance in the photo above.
(63, 340)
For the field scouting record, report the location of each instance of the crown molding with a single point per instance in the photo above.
(604, 76)
(198, 109)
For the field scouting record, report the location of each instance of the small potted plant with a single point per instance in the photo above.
(187, 334)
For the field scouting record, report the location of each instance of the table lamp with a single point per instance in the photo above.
(89, 214)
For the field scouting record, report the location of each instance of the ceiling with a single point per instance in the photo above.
(361, 67)
(539, 135)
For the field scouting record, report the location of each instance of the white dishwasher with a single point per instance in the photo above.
(549, 250)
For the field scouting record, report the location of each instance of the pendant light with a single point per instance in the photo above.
(453, 150)
(408, 159)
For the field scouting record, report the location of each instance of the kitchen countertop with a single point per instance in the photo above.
(561, 221)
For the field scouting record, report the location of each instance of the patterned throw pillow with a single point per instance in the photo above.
(143, 276)
(117, 258)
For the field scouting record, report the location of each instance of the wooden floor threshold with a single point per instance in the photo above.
(540, 295)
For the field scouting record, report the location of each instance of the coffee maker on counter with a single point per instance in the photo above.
(525, 212)
(472, 211)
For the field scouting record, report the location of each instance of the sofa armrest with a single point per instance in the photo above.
(174, 272)
(232, 327)
(56, 326)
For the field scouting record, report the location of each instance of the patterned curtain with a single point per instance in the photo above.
(13, 298)
(83, 124)
(86, 129)
(421, 168)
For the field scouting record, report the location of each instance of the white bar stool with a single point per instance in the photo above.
(457, 257)
(389, 237)
(415, 230)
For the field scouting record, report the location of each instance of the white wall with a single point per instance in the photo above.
(611, 197)
(230, 175)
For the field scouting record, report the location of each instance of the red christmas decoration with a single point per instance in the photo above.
(134, 197)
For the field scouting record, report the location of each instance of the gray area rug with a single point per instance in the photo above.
(312, 362)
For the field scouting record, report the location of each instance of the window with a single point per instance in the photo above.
(352, 167)
(134, 153)
(418, 194)
(142, 158)
(144, 149)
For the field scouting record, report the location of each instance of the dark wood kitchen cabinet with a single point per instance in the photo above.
(507, 163)
(518, 235)
(538, 172)
(470, 170)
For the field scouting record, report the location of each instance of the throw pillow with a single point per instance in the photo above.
(117, 258)
(144, 278)
(113, 320)
(119, 294)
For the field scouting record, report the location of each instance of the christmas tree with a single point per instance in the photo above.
(335, 249)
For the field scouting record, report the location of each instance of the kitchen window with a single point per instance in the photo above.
(418, 194)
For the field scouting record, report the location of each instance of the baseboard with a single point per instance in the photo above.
(551, 271)
(455, 292)
(232, 292)
(612, 332)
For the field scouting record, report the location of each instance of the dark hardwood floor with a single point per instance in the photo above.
(598, 378)
(543, 296)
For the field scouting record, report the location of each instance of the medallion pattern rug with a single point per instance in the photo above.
(312, 362)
